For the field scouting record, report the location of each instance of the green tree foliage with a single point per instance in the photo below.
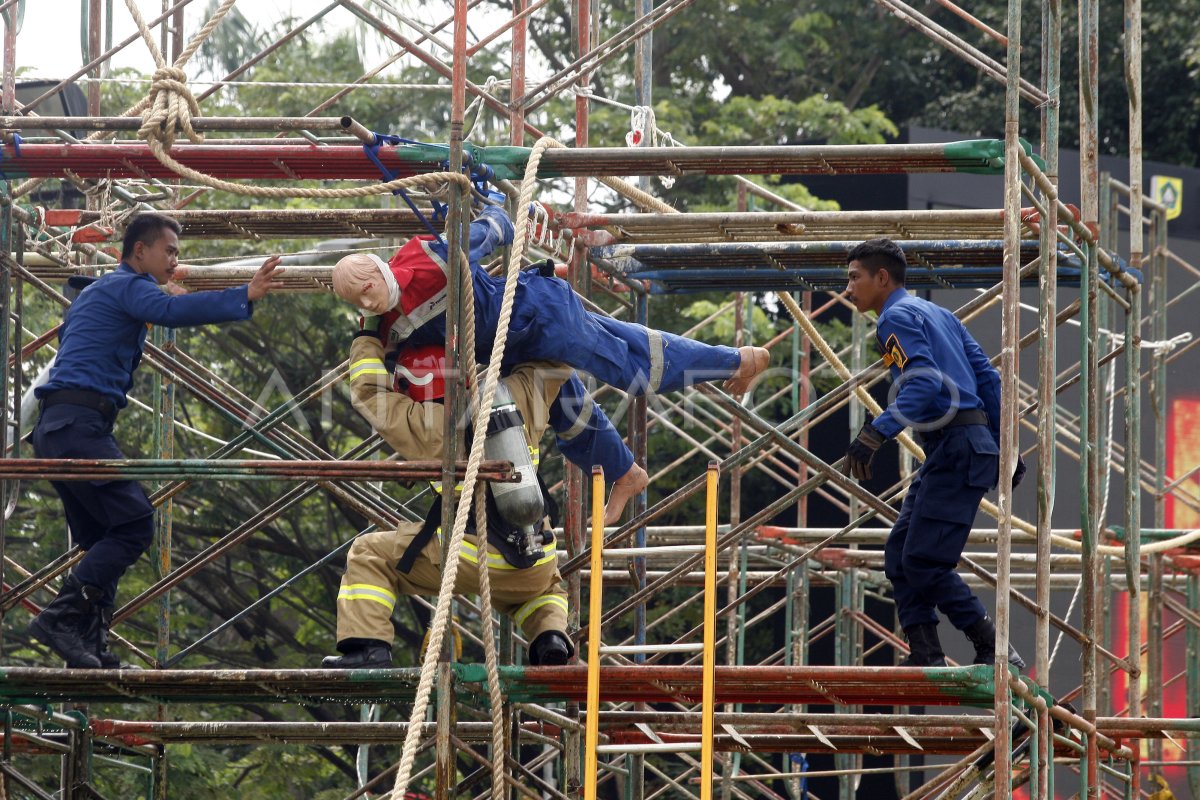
(914, 80)
(716, 57)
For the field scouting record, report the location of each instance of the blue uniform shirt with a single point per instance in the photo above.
(936, 363)
(100, 343)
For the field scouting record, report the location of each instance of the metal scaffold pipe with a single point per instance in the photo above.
(200, 124)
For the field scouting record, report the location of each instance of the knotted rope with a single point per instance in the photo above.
(170, 108)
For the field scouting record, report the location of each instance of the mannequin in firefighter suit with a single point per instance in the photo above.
(383, 565)
(948, 392)
(549, 323)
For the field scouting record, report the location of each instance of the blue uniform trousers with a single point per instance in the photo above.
(922, 551)
(549, 322)
(585, 436)
(112, 521)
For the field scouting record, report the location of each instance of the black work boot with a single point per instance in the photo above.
(63, 624)
(924, 647)
(550, 649)
(360, 654)
(983, 635)
(96, 638)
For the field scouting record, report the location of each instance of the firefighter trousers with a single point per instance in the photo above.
(534, 597)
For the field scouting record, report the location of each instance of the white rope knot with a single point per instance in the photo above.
(1161, 348)
(170, 110)
(643, 129)
(1156, 347)
(540, 232)
(641, 126)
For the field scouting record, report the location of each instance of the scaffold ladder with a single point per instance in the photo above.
(596, 647)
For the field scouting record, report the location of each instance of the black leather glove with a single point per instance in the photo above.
(861, 452)
(1019, 472)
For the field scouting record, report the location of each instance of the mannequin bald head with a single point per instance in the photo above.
(365, 281)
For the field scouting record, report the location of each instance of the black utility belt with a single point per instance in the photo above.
(82, 397)
(965, 416)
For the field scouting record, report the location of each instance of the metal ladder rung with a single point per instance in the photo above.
(681, 747)
(666, 549)
(629, 649)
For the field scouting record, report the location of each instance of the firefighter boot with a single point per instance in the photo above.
(63, 624)
(360, 654)
(550, 649)
(924, 647)
(983, 635)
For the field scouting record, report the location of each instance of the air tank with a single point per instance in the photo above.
(519, 503)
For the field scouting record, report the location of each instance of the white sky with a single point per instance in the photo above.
(49, 40)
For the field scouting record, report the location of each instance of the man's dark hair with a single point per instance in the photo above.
(146, 228)
(877, 254)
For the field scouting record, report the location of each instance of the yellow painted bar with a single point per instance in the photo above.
(710, 631)
(592, 735)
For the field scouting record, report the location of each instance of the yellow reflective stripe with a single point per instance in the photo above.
(437, 487)
(538, 602)
(365, 591)
(496, 561)
(367, 366)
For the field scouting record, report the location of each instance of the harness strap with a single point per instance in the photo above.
(433, 520)
(404, 325)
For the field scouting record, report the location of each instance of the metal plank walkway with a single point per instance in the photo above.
(817, 265)
(943, 686)
(289, 162)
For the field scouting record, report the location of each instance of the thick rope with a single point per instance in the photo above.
(412, 737)
(147, 36)
(495, 696)
(430, 181)
(170, 108)
(636, 195)
(203, 33)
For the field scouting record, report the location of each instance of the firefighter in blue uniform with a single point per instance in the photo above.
(948, 392)
(100, 345)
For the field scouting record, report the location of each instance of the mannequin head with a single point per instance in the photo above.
(361, 279)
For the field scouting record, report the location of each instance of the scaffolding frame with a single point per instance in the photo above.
(753, 555)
